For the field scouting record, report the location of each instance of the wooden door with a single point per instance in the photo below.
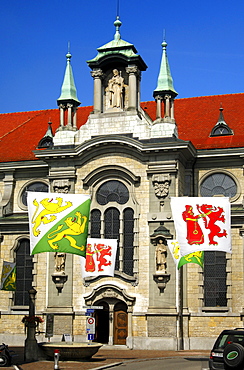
(120, 327)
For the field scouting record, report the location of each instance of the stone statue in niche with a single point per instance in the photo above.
(60, 259)
(115, 91)
(161, 256)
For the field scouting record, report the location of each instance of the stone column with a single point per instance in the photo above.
(167, 106)
(172, 116)
(159, 106)
(111, 325)
(132, 71)
(97, 99)
(61, 111)
(75, 118)
(69, 114)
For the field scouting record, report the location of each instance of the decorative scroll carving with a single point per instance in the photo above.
(109, 293)
(98, 73)
(132, 69)
(61, 186)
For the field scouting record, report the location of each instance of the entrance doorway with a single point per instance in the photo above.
(102, 323)
(111, 322)
(120, 323)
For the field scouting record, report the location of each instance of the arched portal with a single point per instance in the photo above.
(114, 321)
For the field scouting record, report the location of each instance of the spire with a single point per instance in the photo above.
(68, 91)
(165, 80)
(68, 100)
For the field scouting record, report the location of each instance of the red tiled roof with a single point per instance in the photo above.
(196, 117)
(20, 133)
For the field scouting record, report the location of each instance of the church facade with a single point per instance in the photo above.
(131, 157)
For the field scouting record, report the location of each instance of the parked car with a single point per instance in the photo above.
(228, 350)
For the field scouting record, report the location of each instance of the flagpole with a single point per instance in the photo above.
(179, 292)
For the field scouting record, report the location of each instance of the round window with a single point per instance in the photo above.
(218, 184)
(34, 186)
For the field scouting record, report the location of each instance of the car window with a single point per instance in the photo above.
(230, 338)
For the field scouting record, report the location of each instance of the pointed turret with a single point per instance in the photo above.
(47, 140)
(165, 89)
(68, 99)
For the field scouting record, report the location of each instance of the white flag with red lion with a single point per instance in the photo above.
(202, 223)
(100, 257)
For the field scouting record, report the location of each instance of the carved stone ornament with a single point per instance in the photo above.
(98, 73)
(161, 184)
(132, 69)
(109, 293)
(61, 186)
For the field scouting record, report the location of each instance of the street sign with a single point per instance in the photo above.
(94, 307)
(91, 336)
(90, 325)
(89, 310)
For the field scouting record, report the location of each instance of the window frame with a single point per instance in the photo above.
(23, 189)
(118, 173)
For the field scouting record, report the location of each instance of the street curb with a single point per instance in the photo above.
(107, 366)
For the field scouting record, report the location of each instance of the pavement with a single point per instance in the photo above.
(106, 357)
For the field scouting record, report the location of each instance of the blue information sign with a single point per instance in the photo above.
(90, 310)
(91, 336)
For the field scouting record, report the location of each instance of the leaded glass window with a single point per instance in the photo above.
(218, 184)
(112, 191)
(24, 266)
(116, 222)
(128, 240)
(215, 289)
(95, 223)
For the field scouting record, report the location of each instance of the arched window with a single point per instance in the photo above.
(24, 266)
(112, 217)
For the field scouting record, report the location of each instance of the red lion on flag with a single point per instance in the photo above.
(214, 214)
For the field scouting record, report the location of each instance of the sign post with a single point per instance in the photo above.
(90, 328)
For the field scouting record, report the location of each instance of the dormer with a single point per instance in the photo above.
(221, 128)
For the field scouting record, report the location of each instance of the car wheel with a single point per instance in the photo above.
(4, 361)
(234, 355)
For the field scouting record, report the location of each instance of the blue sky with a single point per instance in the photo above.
(205, 46)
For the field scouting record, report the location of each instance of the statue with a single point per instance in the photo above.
(115, 90)
(161, 254)
(60, 258)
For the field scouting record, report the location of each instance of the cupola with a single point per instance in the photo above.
(116, 71)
